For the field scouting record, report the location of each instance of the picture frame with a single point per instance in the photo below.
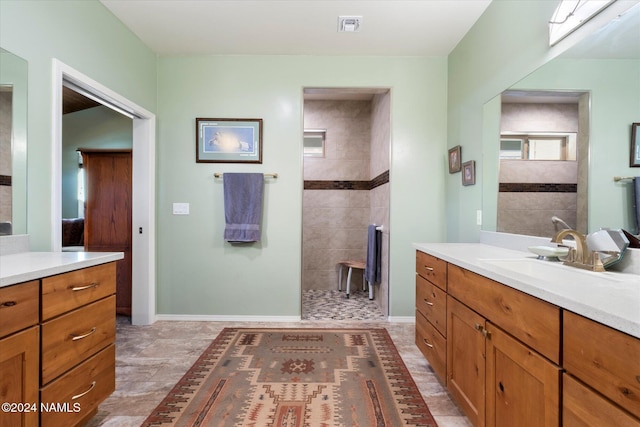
(469, 173)
(228, 140)
(635, 146)
(455, 159)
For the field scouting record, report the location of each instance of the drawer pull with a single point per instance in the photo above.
(78, 396)
(426, 267)
(79, 337)
(82, 288)
(8, 304)
(427, 302)
(427, 343)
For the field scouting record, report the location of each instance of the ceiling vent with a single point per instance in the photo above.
(349, 24)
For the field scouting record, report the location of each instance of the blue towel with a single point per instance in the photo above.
(636, 202)
(374, 255)
(243, 206)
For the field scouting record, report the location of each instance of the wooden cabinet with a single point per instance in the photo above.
(19, 354)
(78, 335)
(431, 311)
(19, 363)
(466, 359)
(502, 346)
(605, 360)
(584, 407)
(108, 220)
(522, 387)
(57, 348)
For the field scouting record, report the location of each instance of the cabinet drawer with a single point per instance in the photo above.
(605, 359)
(68, 291)
(431, 301)
(81, 389)
(531, 320)
(19, 305)
(69, 339)
(432, 345)
(583, 407)
(432, 269)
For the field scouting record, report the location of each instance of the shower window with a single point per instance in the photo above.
(538, 146)
(313, 144)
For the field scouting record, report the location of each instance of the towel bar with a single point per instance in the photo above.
(623, 178)
(271, 175)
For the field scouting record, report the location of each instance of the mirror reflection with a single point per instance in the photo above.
(13, 144)
(585, 102)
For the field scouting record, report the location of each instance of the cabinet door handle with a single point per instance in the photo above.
(427, 302)
(427, 343)
(79, 337)
(478, 327)
(82, 288)
(8, 304)
(78, 396)
(487, 334)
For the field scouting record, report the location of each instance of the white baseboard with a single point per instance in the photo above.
(222, 318)
(402, 319)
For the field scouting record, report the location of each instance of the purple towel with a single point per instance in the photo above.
(373, 265)
(243, 206)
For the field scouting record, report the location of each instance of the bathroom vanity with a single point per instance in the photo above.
(526, 342)
(57, 334)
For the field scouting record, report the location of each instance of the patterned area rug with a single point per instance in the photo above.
(296, 378)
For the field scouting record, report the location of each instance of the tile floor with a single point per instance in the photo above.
(151, 359)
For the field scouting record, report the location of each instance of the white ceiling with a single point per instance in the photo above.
(298, 27)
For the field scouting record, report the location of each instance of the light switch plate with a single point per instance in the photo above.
(181, 208)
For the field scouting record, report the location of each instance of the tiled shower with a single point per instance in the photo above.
(346, 189)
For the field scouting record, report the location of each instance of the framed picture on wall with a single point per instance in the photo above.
(469, 173)
(455, 159)
(228, 140)
(635, 145)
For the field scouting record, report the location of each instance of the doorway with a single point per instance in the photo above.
(143, 310)
(346, 189)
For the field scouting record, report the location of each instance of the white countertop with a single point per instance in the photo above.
(610, 298)
(25, 266)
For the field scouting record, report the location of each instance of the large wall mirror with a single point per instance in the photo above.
(13, 144)
(553, 142)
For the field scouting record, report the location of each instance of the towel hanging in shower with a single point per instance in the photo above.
(636, 202)
(373, 265)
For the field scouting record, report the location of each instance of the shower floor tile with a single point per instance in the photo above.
(321, 304)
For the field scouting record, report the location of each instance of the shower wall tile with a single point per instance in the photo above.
(380, 133)
(347, 143)
(530, 213)
(539, 117)
(524, 171)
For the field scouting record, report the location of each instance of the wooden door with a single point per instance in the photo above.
(107, 226)
(465, 360)
(523, 388)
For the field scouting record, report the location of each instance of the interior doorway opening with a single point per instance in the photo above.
(143, 310)
(346, 158)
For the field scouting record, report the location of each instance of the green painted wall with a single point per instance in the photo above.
(87, 37)
(506, 43)
(198, 273)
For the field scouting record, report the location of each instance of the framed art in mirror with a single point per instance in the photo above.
(228, 140)
(469, 173)
(635, 145)
(455, 159)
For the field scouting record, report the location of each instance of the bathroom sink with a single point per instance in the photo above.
(549, 271)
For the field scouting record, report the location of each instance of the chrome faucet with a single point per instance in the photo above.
(580, 256)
